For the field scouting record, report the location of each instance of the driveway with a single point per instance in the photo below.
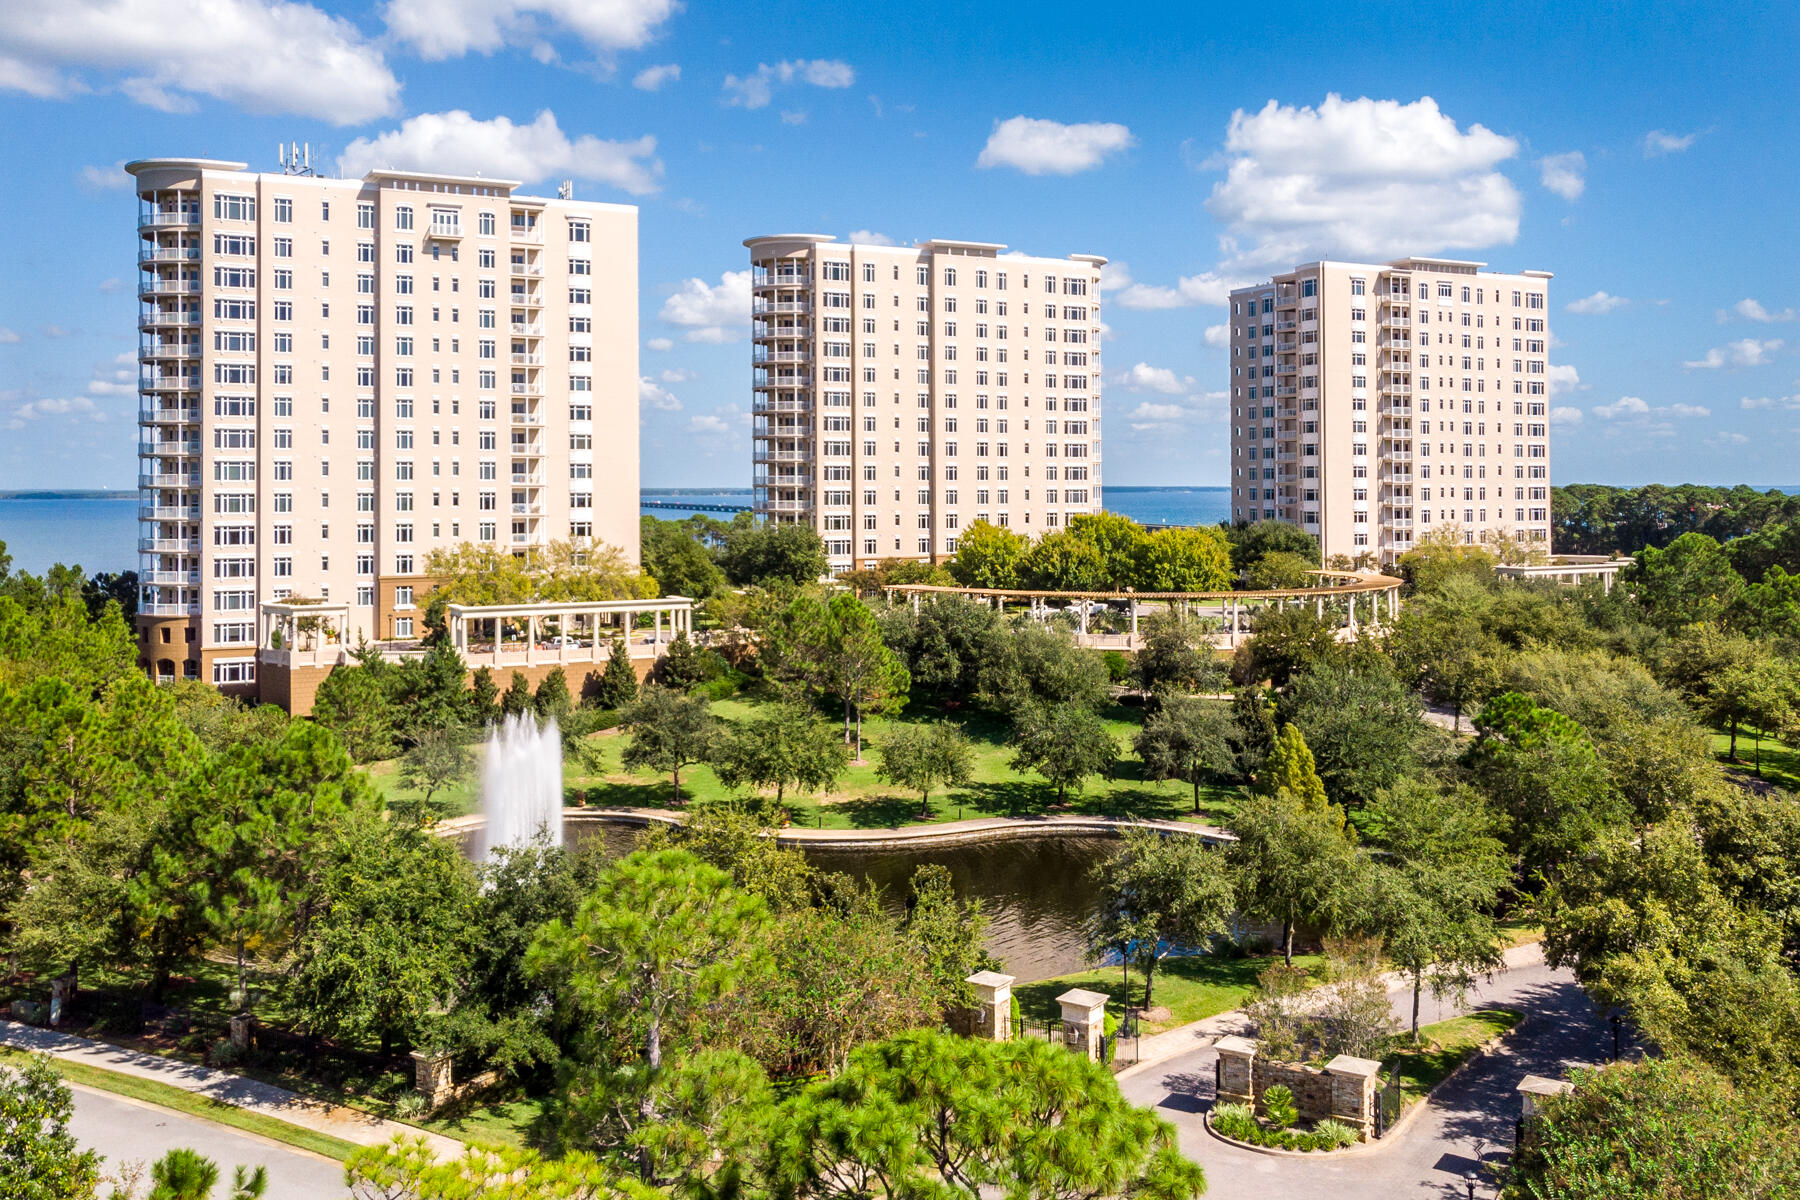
(125, 1130)
(1432, 1155)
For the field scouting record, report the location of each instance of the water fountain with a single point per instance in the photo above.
(521, 784)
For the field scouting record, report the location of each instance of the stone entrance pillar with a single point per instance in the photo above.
(1236, 1074)
(1353, 1092)
(1535, 1089)
(1083, 1020)
(431, 1076)
(993, 1005)
(241, 1026)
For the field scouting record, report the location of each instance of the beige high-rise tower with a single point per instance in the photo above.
(903, 393)
(340, 376)
(1371, 403)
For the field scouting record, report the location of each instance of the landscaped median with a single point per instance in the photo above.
(191, 1104)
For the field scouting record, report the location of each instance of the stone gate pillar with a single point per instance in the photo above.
(431, 1076)
(993, 1005)
(1237, 1061)
(1353, 1092)
(1083, 1020)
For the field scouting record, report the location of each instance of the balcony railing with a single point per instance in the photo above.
(783, 356)
(525, 418)
(153, 349)
(158, 480)
(527, 389)
(158, 319)
(164, 219)
(526, 270)
(168, 610)
(169, 578)
(527, 360)
(168, 416)
(169, 254)
(168, 512)
(168, 545)
(758, 307)
(523, 329)
(169, 287)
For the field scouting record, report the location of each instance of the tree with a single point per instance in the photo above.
(484, 699)
(1436, 886)
(183, 1174)
(1061, 561)
(677, 560)
(669, 731)
(838, 648)
(1656, 1127)
(391, 946)
(1065, 743)
(1283, 642)
(944, 644)
(1290, 768)
(1185, 739)
(1255, 540)
(1252, 732)
(922, 757)
(661, 937)
(618, 686)
(1293, 863)
(552, 702)
(769, 553)
(489, 573)
(1442, 555)
(516, 700)
(930, 1113)
(1118, 540)
(438, 759)
(1727, 678)
(38, 1155)
(1176, 656)
(354, 704)
(1690, 582)
(989, 556)
(947, 932)
(1038, 665)
(681, 668)
(1361, 723)
(781, 748)
(1160, 893)
(407, 1169)
(1281, 570)
(1447, 649)
(1183, 560)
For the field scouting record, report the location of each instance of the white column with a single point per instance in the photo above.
(531, 641)
(658, 641)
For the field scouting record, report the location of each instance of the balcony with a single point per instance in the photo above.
(150, 256)
(153, 382)
(163, 219)
(158, 319)
(528, 389)
(168, 545)
(168, 610)
(155, 349)
(528, 299)
(527, 360)
(783, 456)
(168, 416)
(764, 404)
(783, 356)
(450, 230)
(169, 578)
(525, 329)
(535, 479)
(528, 510)
(526, 418)
(759, 307)
(168, 449)
(1287, 389)
(168, 512)
(527, 271)
(783, 381)
(1285, 326)
(169, 287)
(527, 450)
(168, 480)
(781, 279)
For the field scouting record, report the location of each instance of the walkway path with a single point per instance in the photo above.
(942, 833)
(1469, 1115)
(347, 1123)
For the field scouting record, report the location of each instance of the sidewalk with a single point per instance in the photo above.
(236, 1090)
(1200, 1034)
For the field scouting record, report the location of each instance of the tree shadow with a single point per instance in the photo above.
(885, 812)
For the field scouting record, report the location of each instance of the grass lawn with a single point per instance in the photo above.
(1446, 1046)
(862, 801)
(1780, 763)
(165, 1096)
(503, 1124)
(1191, 988)
(1520, 930)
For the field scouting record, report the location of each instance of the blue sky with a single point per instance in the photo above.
(1646, 154)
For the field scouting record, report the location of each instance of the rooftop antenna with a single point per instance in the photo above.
(295, 158)
(565, 190)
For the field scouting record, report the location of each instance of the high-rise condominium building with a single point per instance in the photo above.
(904, 393)
(1371, 403)
(340, 376)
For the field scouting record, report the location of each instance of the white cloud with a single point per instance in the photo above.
(868, 237)
(793, 116)
(1563, 414)
(756, 89)
(713, 312)
(651, 79)
(1157, 413)
(53, 331)
(660, 344)
(1746, 352)
(1624, 406)
(1361, 178)
(107, 179)
(677, 375)
(34, 410)
(708, 424)
(1564, 378)
(1218, 335)
(440, 29)
(1143, 377)
(1656, 142)
(1771, 401)
(1040, 147)
(109, 286)
(265, 56)
(1208, 287)
(654, 395)
(1564, 174)
(1599, 302)
(8, 337)
(1727, 439)
(1752, 310)
(455, 142)
(1687, 410)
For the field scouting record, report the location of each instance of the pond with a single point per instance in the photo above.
(1036, 892)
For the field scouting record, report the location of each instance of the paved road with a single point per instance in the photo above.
(125, 1130)
(1433, 1154)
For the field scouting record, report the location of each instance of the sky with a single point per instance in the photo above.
(1646, 154)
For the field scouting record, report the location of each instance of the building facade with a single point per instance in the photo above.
(1373, 403)
(340, 376)
(898, 398)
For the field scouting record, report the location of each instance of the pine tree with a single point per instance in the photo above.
(517, 697)
(484, 699)
(552, 700)
(1291, 769)
(618, 687)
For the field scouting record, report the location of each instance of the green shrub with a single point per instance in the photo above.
(1117, 666)
(1236, 1121)
(1334, 1135)
(1278, 1106)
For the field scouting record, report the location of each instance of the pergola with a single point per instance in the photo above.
(567, 631)
(1335, 589)
(302, 633)
(1569, 569)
